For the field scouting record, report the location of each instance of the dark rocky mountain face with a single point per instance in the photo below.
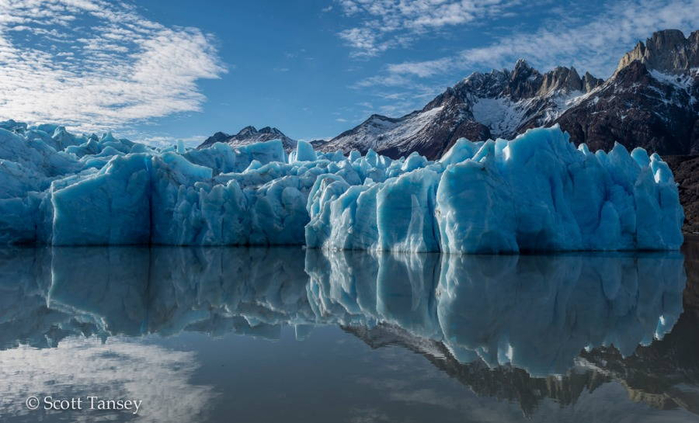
(484, 105)
(651, 101)
(686, 171)
(666, 51)
(639, 107)
(250, 135)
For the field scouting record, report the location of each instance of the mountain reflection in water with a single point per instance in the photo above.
(520, 328)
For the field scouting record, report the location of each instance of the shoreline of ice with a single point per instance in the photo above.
(534, 193)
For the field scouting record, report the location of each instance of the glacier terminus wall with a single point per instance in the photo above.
(537, 192)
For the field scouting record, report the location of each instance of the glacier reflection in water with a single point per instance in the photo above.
(534, 312)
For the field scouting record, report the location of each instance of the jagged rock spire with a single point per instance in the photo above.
(666, 51)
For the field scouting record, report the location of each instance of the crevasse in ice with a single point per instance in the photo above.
(536, 192)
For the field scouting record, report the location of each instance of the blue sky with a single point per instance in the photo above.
(156, 71)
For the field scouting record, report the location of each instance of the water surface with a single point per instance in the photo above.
(287, 334)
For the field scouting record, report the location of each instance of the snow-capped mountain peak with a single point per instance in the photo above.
(483, 105)
(650, 101)
(250, 135)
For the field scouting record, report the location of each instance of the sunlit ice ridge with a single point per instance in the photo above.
(537, 192)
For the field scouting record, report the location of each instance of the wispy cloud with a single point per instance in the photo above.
(595, 45)
(93, 64)
(386, 24)
(400, 94)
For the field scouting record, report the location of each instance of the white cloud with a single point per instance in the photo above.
(386, 24)
(595, 45)
(80, 367)
(364, 41)
(93, 64)
(421, 69)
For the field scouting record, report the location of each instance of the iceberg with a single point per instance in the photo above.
(537, 192)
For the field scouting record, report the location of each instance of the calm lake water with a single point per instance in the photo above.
(290, 335)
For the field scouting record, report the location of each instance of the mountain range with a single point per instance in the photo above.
(651, 101)
(250, 135)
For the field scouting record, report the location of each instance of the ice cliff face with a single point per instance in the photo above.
(537, 192)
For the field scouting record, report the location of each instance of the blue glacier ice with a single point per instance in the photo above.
(537, 192)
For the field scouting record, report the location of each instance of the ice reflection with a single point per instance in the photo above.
(535, 312)
(503, 325)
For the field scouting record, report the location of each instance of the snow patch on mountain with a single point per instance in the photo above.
(501, 115)
(411, 126)
(681, 81)
(379, 132)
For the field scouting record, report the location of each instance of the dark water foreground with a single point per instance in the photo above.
(286, 335)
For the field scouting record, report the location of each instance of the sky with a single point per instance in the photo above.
(155, 71)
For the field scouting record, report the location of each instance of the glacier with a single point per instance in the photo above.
(537, 192)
